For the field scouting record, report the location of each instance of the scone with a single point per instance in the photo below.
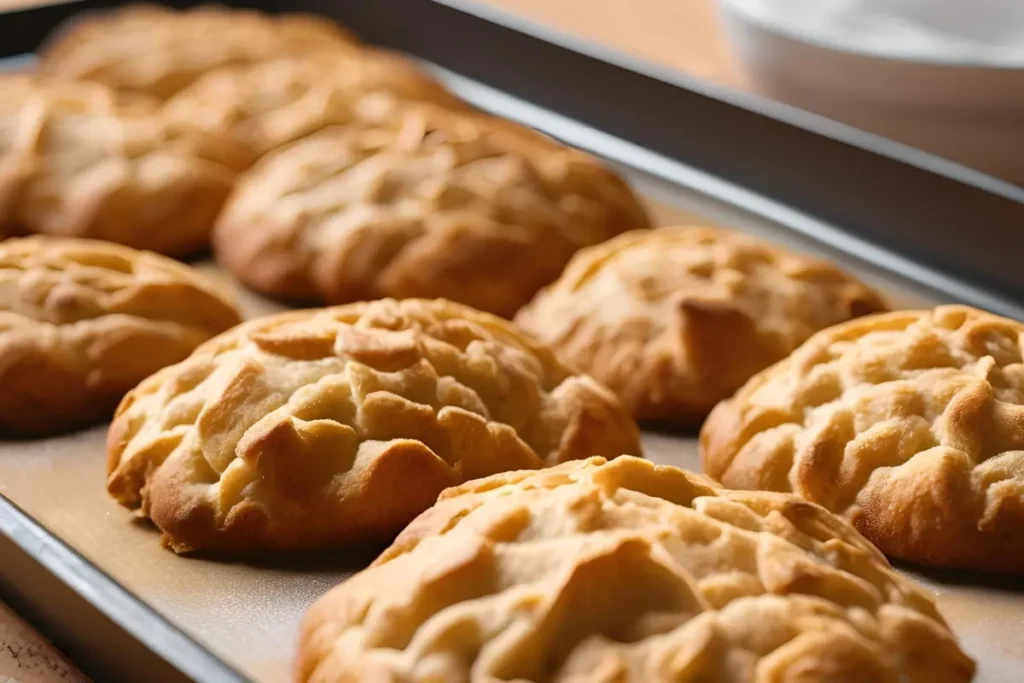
(267, 104)
(426, 203)
(911, 424)
(312, 430)
(674, 320)
(158, 51)
(79, 160)
(82, 322)
(18, 88)
(626, 572)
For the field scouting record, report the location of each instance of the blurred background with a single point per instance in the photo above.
(943, 76)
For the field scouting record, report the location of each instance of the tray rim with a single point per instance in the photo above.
(101, 625)
(744, 99)
(668, 171)
(168, 649)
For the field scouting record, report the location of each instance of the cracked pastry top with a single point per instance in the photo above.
(424, 203)
(267, 104)
(79, 160)
(313, 430)
(82, 322)
(624, 572)
(911, 424)
(676, 319)
(157, 51)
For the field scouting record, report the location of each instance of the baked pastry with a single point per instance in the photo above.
(158, 51)
(267, 104)
(312, 430)
(628, 572)
(425, 203)
(19, 88)
(674, 320)
(80, 160)
(82, 322)
(15, 87)
(911, 424)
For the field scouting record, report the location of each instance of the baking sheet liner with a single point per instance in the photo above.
(248, 613)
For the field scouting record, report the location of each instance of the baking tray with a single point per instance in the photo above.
(95, 581)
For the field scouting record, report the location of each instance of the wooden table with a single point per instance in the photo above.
(684, 34)
(26, 658)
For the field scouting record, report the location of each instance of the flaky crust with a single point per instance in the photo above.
(676, 319)
(424, 203)
(620, 572)
(79, 160)
(267, 104)
(315, 429)
(82, 322)
(157, 51)
(911, 424)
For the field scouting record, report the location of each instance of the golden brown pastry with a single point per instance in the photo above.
(428, 204)
(674, 320)
(267, 104)
(82, 322)
(626, 572)
(157, 51)
(312, 430)
(911, 424)
(15, 87)
(19, 88)
(79, 160)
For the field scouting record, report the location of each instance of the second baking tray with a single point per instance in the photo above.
(126, 609)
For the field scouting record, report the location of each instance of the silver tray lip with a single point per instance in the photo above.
(660, 175)
(30, 556)
(102, 626)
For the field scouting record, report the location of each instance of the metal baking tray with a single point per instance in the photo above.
(922, 230)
